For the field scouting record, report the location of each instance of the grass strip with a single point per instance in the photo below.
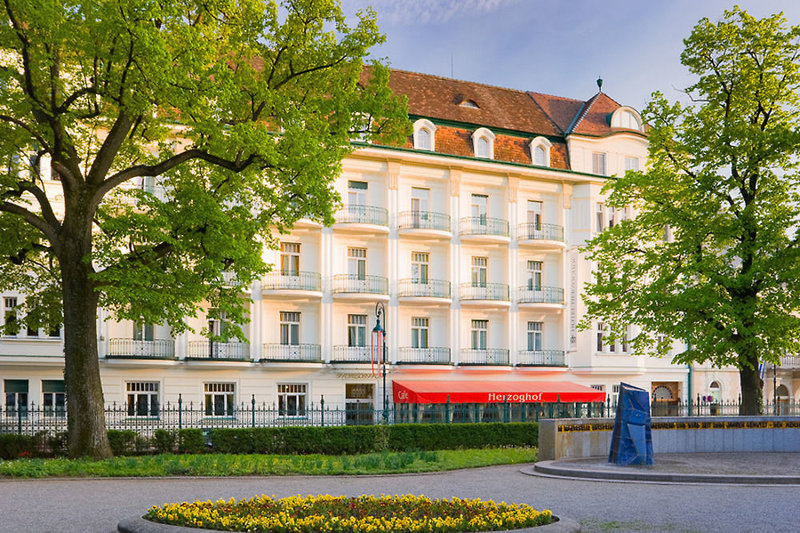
(167, 465)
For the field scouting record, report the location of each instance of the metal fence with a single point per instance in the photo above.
(34, 419)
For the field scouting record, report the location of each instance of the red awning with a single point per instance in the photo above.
(493, 392)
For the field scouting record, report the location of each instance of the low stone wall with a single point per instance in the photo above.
(562, 438)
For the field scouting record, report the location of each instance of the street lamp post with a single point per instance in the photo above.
(379, 334)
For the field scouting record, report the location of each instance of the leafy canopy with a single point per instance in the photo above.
(178, 135)
(712, 257)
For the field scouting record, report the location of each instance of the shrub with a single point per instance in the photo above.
(165, 440)
(191, 440)
(13, 445)
(122, 441)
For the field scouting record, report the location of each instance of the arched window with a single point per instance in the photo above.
(540, 151)
(716, 392)
(424, 135)
(483, 143)
(627, 118)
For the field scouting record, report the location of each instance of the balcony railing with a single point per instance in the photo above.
(432, 288)
(362, 214)
(423, 220)
(350, 354)
(424, 356)
(484, 291)
(229, 279)
(790, 362)
(491, 356)
(155, 349)
(292, 352)
(352, 283)
(297, 281)
(540, 232)
(541, 358)
(483, 226)
(231, 351)
(542, 295)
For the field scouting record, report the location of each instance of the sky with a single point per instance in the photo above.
(557, 47)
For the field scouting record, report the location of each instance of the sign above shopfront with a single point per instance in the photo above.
(426, 392)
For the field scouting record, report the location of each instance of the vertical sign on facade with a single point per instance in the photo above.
(573, 300)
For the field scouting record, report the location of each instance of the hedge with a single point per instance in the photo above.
(330, 440)
(347, 440)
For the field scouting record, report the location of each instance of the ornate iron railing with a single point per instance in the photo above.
(424, 356)
(288, 280)
(540, 232)
(352, 283)
(541, 358)
(483, 226)
(233, 351)
(429, 288)
(155, 349)
(423, 220)
(542, 295)
(484, 291)
(350, 354)
(362, 214)
(292, 352)
(489, 356)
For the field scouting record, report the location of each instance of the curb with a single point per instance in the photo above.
(137, 524)
(558, 469)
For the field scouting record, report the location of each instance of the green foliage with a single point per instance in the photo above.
(263, 465)
(351, 440)
(123, 442)
(191, 440)
(12, 445)
(165, 440)
(712, 257)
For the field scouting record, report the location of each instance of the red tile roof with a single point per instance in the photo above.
(562, 111)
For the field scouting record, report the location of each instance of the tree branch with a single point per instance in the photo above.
(32, 219)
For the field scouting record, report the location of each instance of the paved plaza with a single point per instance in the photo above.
(96, 505)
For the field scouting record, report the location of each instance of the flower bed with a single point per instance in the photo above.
(340, 514)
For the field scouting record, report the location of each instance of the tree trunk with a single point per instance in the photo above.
(86, 421)
(750, 382)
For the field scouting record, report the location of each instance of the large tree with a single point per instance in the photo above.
(241, 110)
(712, 257)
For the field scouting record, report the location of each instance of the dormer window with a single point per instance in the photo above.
(540, 152)
(424, 135)
(469, 104)
(626, 118)
(483, 143)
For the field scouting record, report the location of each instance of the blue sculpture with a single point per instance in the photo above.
(631, 440)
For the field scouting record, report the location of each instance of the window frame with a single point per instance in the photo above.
(150, 392)
(483, 135)
(428, 127)
(287, 391)
(228, 398)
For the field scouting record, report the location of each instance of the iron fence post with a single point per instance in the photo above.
(253, 408)
(322, 410)
(19, 419)
(180, 412)
(447, 410)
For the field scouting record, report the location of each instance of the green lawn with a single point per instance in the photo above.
(261, 465)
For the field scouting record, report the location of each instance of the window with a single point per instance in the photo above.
(142, 332)
(479, 271)
(478, 208)
(419, 332)
(599, 163)
(290, 328)
(534, 215)
(611, 214)
(419, 267)
(535, 336)
(626, 118)
(55, 331)
(142, 398)
(54, 399)
(419, 206)
(614, 395)
(16, 396)
(292, 399)
(534, 275)
(356, 330)
(357, 193)
(424, 135)
(290, 258)
(10, 316)
(540, 151)
(600, 215)
(357, 263)
(483, 143)
(218, 326)
(632, 163)
(716, 392)
(602, 346)
(219, 398)
(480, 330)
(664, 343)
(626, 339)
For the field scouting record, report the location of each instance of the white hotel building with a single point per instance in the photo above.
(469, 235)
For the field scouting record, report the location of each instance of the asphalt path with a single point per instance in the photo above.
(96, 505)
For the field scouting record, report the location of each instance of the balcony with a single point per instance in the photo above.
(483, 229)
(790, 362)
(485, 294)
(357, 287)
(350, 354)
(423, 356)
(424, 224)
(364, 218)
(491, 356)
(432, 291)
(138, 349)
(543, 236)
(222, 351)
(292, 284)
(296, 353)
(230, 281)
(541, 358)
(541, 297)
